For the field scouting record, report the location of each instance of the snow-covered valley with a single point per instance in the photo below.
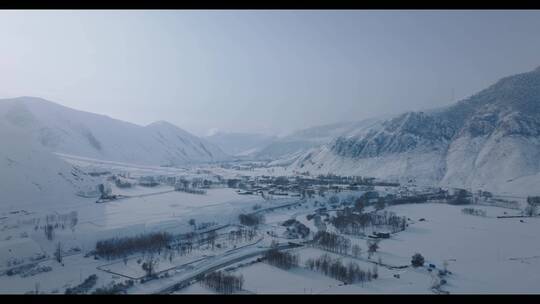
(444, 201)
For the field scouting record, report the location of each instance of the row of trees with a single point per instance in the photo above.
(462, 197)
(472, 211)
(84, 287)
(332, 242)
(342, 245)
(222, 282)
(350, 273)
(533, 200)
(119, 247)
(349, 222)
(251, 219)
(532, 206)
(115, 288)
(281, 259)
(242, 235)
(53, 221)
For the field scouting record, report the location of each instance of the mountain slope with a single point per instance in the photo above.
(293, 145)
(30, 175)
(65, 130)
(488, 141)
(240, 144)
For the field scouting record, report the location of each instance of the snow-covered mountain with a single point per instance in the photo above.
(489, 141)
(287, 148)
(240, 144)
(64, 130)
(31, 175)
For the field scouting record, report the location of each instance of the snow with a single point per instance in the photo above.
(484, 248)
(488, 142)
(196, 288)
(21, 248)
(275, 280)
(65, 130)
(33, 177)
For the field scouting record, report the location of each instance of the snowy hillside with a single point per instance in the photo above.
(489, 141)
(65, 130)
(240, 144)
(296, 143)
(31, 175)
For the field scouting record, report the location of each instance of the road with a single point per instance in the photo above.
(169, 285)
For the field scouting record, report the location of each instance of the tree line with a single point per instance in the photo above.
(472, 211)
(84, 287)
(251, 219)
(281, 259)
(332, 242)
(119, 247)
(222, 282)
(349, 222)
(350, 273)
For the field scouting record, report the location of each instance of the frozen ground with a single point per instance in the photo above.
(262, 278)
(485, 254)
(196, 288)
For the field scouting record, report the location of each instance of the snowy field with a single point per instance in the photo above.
(485, 254)
(262, 278)
(196, 288)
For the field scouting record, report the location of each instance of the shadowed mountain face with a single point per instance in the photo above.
(490, 140)
(65, 130)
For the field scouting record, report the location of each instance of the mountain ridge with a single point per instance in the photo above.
(66, 130)
(483, 141)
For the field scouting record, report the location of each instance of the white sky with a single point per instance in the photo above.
(260, 71)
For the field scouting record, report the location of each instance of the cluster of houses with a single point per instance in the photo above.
(302, 186)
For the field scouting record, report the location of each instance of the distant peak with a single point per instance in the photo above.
(29, 98)
(162, 123)
(166, 125)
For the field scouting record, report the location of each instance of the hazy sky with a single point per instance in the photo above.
(260, 71)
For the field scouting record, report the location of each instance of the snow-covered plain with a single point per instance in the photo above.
(484, 253)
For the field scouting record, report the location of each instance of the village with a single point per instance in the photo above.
(160, 237)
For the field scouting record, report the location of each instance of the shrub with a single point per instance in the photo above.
(251, 219)
(417, 260)
(84, 286)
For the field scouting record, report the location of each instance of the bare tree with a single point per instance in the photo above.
(49, 231)
(531, 210)
(445, 266)
(58, 252)
(150, 265)
(373, 245)
(375, 272)
(356, 250)
(212, 235)
(73, 220)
